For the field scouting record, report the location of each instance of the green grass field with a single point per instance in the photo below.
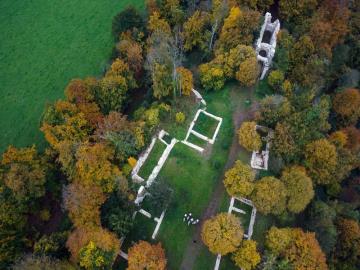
(152, 160)
(44, 44)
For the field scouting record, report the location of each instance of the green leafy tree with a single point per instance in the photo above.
(321, 220)
(12, 227)
(160, 195)
(117, 213)
(275, 79)
(32, 262)
(126, 20)
(51, 245)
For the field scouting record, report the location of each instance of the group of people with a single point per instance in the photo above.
(188, 218)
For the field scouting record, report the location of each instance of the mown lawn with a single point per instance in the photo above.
(43, 45)
(152, 160)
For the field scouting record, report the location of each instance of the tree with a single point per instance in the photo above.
(348, 244)
(298, 10)
(62, 122)
(239, 180)
(304, 251)
(185, 82)
(131, 51)
(306, 67)
(299, 188)
(238, 60)
(338, 138)
(162, 82)
(102, 238)
(329, 26)
(111, 91)
(321, 220)
(143, 255)
(275, 79)
(347, 105)
(238, 28)
(301, 249)
(277, 240)
(12, 227)
(125, 20)
(122, 134)
(222, 234)
(83, 203)
(269, 196)
(219, 10)
(94, 258)
(249, 138)
(172, 11)
(24, 173)
(51, 245)
(155, 23)
(273, 109)
(246, 257)
(93, 166)
(211, 77)
(353, 138)
(117, 214)
(195, 33)
(32, 262)
(321, 161)
(248, 72)
(79, 91)
(159, 195)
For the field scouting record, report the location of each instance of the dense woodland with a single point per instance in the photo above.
(68, 206)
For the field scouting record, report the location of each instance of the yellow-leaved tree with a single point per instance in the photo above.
(93, 166)
(299, 188)
(239, 180)
(246, 257)
(249, 138)
(269, 196)
(321, 161)
(185, 81)
(222, 234)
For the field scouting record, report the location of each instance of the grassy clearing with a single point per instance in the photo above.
(206, 125)
(197, 141)
(152, 159)
(44, 44)
(192, 176)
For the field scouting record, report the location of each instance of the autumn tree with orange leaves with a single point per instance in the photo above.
(143, 255)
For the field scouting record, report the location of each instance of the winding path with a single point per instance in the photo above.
(195, 244)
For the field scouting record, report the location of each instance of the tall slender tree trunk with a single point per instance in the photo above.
(213, 31)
